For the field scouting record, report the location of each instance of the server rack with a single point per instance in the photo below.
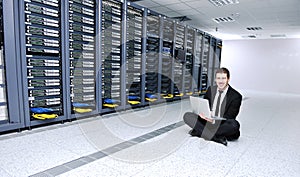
(211, 61)
(179, 59)
(189, 61)
(82, 56)
(205, 81)
(11, 116)
(60, 56)
(42, 61)
(197, 62)
(217, 56)
(167, 54)
(111, 55)
(134, 52)
(152, 75)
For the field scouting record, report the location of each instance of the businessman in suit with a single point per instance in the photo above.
(225, 102)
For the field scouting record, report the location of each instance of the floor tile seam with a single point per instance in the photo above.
(234, 164)
(253, 142)
(260, 132)
(281, 159)
(113, 149)
(271, 158)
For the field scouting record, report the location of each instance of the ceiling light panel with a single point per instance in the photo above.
(220, 3)
(278, 35)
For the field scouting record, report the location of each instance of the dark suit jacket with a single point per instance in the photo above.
(230, 106)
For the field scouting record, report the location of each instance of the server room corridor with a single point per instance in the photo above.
(154, 141)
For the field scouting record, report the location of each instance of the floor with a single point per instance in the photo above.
(154, 142)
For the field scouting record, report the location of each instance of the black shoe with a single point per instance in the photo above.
(221, 140)
(193, 132)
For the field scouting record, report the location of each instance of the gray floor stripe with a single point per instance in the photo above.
(100, 154)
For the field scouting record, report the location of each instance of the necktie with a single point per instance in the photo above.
(218, 103)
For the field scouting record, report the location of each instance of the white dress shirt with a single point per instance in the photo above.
(216, 99)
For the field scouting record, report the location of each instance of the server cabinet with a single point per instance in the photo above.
(211, 63)
(111, 54)
(42, 57)
(152, 57)
(179, 59)
(82, 56)
(11, 117)
(197, 62)
(217, 55)
(205, 81)
(189, 62)
(167, 54)
(134, 50)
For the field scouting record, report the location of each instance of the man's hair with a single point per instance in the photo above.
(224, 70)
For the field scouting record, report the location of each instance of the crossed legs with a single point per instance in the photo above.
(202, 128)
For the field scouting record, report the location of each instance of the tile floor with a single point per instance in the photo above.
(154, 142)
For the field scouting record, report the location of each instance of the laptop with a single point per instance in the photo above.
(201, 105)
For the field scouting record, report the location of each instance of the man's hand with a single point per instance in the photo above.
(206, 118)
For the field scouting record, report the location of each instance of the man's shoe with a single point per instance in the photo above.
(221, 140)
(193, 132)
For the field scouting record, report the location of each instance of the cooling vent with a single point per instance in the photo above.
(220, 3)
(223, 19)
(254, 28)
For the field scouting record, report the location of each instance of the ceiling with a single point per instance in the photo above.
(264, 19)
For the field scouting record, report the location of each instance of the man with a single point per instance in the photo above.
(224, 102)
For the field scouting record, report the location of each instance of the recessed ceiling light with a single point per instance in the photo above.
(277, 35)
(252, 36)
(219, 3)
(223, 19)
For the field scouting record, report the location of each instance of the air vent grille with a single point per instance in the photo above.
(220, 3)
(223, 19)
(254, 28)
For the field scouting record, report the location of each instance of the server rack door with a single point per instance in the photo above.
(82, 56)
(205, 82)
(218, 54)
(43, 61)
(111, 57)
(3, 98)
(197, 62)
(134, 28)
(189, 62)
(152, 57)
(10, 116)
(211, 65)
(179, 59)
(167, 62)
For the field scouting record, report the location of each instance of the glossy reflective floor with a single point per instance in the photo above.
(155, 142)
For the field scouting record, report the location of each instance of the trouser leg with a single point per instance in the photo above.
(193, 121)
(202, 128)
(230, 129)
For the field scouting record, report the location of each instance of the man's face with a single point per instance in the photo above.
(221, 80)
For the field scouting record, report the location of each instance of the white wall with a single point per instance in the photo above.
(271, 65)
